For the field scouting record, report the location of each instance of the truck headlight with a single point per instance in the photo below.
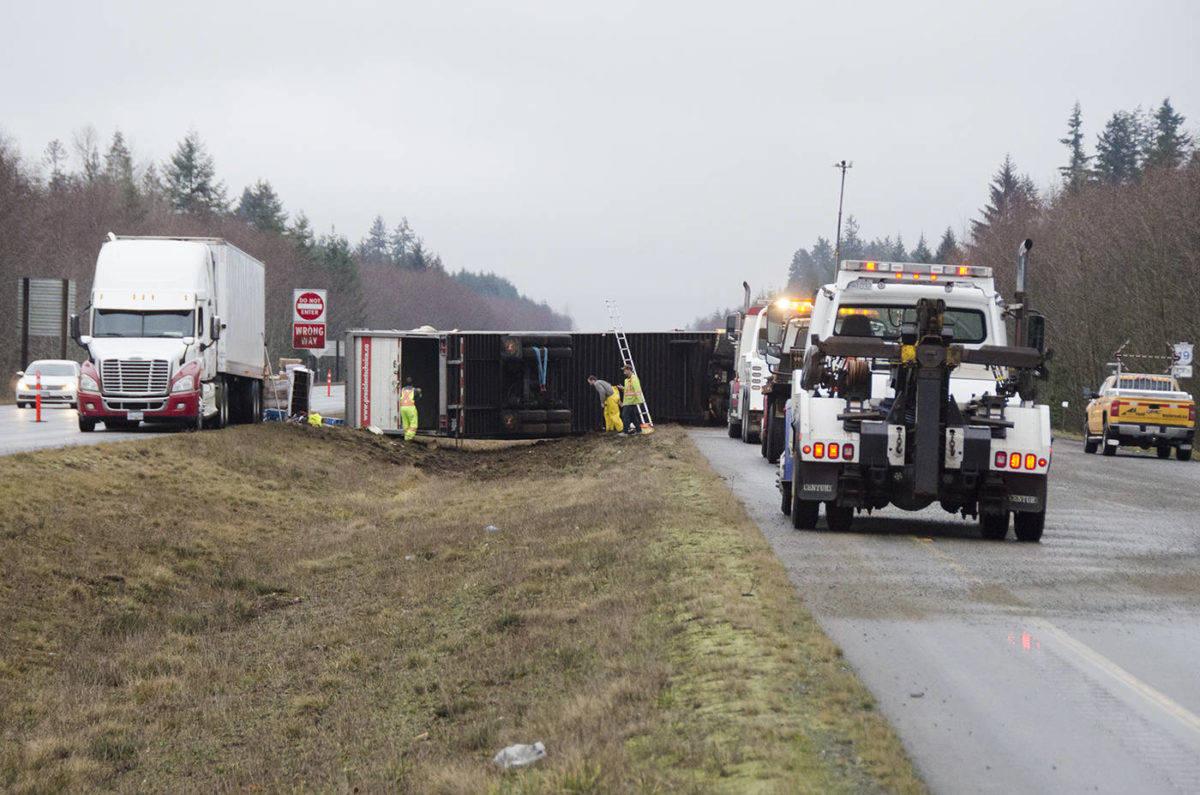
(87, 383)
(22, 385)
(185, 384)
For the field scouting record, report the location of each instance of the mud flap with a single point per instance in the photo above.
(1026, 493)
(818, 481)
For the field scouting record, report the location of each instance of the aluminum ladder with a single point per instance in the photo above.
(614, 314)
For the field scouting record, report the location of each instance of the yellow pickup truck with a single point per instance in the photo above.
(1140, 410)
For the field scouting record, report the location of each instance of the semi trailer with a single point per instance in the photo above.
(910, 395)
(176, 334)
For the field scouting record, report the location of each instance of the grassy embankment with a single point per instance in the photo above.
(325, 610)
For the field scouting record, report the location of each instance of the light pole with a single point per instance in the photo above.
(843, 165)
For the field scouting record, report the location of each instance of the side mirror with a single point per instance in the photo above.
(74, 326)
(775, 349)
(214, 328)
(1090, 394)
(20, 373)
(85, 340)
(189, 340)
(733, 324)
(1035, 332)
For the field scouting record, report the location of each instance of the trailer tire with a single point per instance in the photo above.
(558, 429)
(533, 429)
(256, 404)
(766, 426)
(994, 526)
(558, 415)
(785, 503)
(531, 415)
(1183, 455)
(1028, 526)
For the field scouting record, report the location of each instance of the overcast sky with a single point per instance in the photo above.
(658, 152)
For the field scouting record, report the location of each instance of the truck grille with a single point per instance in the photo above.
(135, 377)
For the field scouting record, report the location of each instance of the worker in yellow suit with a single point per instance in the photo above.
(630, 401)
(408, 408)
(609, 401)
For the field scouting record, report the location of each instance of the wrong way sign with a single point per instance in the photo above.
(309, 312)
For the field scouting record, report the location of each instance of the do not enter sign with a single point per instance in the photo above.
(308, 319)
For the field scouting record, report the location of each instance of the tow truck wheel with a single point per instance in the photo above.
(1183, 455)
(785, 505)
(735, 428)
(994, 526)
(1108, 449)
(1028, 526)
(1164, 451)
(838, 517)
(805, 514)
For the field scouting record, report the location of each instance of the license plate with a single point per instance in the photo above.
(134, 416)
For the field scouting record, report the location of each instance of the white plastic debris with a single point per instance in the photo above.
(519, 755)
(491, 529)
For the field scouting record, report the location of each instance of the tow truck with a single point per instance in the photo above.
(746, 399)
(786, 337)
(910, 395)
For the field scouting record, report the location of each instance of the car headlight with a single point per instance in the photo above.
(86, 382)
(185, 384)
(22, 385)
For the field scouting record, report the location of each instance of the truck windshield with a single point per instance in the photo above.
(123, 323)
(969, 325)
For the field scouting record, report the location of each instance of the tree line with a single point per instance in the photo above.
(56, 210)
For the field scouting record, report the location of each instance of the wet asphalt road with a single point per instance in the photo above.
(60, 426)
(1072, 665)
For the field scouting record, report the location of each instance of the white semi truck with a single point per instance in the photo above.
(176, 334)
(910, 395)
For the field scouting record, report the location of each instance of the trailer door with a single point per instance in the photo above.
(377, 381)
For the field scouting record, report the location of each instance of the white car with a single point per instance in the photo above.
(60, 383)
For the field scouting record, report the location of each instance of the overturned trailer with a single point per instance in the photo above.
(490, 384)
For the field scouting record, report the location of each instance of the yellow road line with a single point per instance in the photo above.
(1084, 652)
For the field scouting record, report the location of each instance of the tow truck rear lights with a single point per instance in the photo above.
(1030, 461)
(1001, 459)
(807, 449)
(819, 450)
(847, 451)
(834, 450)
(1014, 460)
(1042, 462)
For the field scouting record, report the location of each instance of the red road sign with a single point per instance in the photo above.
(310, 305)
(309, 336)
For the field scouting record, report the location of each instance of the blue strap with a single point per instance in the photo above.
(542, 357)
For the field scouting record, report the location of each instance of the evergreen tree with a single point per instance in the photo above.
(899, 253)
(118, 161)
(1075, 172)
(1009, 196)
(852, 245)
(301, 233)
(152, 184)
(191, 184)
(375, 247)
(332, 253)
(922, 253)
(1170, 144)
(418, 258)
(401, 243)
(822, 254)
(802, 271)
(55, 156)
(1118, 149)
(261, 207)
(948, 252)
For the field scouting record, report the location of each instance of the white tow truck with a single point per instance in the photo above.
(910, 395)
(762, 328)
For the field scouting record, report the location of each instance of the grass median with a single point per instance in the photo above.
(288, 607)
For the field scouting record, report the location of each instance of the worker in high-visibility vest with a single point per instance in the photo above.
(408, 408)
(630, 400)
(609, 401)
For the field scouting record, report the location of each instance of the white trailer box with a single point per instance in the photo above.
(240, 283)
